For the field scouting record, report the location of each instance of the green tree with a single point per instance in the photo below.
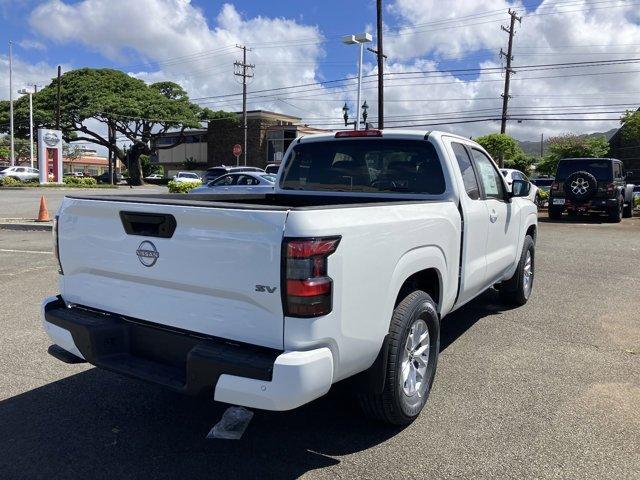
(520, 162)
(501, 147)
(113, 99)
(571, 146)
(149, 168)
(631, 125)
(22, 149)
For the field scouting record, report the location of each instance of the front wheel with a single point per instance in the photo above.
(627, 212)
(517, 290)
(414, 344)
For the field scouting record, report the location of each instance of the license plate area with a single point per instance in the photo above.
(558, 201)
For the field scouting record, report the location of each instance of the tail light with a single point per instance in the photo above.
(56, 248)
(307, 289)
(358, 133)
(555, 186)
(611, 187)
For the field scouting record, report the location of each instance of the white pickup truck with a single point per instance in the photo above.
(346, 270)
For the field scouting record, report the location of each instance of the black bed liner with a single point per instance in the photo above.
(271, 201)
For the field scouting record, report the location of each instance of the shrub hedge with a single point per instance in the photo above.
(183, 187)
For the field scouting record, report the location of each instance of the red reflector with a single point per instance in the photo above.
(554, 186)
(309, 288)
(358, 133)
(310, 248)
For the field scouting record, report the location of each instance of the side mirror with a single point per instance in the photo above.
(520, 188)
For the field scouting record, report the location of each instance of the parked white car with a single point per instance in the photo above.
(23, 174)
(511, 174)
(187, 177)
(370, 239)
(239, 183)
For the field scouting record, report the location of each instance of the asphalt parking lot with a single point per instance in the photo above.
(549, 390)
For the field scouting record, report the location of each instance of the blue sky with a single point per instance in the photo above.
(332, 17)
(298, 42)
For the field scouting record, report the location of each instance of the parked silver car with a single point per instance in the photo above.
(23, 174)
(245, 182)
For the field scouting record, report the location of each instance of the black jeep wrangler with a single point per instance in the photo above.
(591, 185)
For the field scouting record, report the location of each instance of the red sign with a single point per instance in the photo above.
(237, 149)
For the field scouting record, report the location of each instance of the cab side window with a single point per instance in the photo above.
(617, 171)
(468, 173)
(489, 176)
(223, 181)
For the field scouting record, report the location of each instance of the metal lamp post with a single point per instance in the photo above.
(25, 91)
(345, 115)
(360, 39)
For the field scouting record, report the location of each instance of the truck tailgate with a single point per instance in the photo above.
(218, 274)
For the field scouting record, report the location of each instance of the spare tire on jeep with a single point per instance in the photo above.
(580, 186)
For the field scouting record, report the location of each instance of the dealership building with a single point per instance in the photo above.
(269, 134)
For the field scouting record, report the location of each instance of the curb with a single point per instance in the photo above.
(41, 227)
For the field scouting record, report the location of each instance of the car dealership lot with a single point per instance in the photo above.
(24, 202)
(551, 389)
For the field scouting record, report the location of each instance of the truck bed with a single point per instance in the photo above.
(272, 201)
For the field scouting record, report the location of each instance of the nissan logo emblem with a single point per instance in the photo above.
(147, 253)
(51, 139)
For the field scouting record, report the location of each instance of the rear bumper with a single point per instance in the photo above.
(596, 205)
(239, 374)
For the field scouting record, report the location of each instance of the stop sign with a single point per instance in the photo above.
(237, 149)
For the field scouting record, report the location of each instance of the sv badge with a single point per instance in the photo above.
(265, 288)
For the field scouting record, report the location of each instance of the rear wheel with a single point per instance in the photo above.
(555, 213)
(414, 344)
(517, 290)
(627, 211)
(615, 213)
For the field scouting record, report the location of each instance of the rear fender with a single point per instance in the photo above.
(414, 261)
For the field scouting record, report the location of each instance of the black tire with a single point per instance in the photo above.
(615, 213)
(516, 291)
(580, 186)
(394, 405)
(627, 212)
(555, 213)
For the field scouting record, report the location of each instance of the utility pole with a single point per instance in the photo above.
(13, 151)
(509, 71)
(244, 70)
(58, 99)
(380, 57)
(541, 145)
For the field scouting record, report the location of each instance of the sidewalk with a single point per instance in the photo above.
(24, 224)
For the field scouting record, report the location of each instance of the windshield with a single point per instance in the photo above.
(188, 175)
(269, 178)
(365, 165)
(601, 169)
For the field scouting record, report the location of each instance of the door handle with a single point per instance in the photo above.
(493, 216)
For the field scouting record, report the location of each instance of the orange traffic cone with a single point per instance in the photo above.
(43, 214)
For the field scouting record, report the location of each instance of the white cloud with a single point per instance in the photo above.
(601, 30)
(203, 55)
(287, 52)
(24, 75)
(31, 44)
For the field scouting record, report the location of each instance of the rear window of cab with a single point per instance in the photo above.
(365, 165)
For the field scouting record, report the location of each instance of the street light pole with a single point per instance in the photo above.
(24, 91)
(359, 86)
(360, 39)
(13, 151)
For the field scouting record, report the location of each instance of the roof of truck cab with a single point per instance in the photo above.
(406, 134)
